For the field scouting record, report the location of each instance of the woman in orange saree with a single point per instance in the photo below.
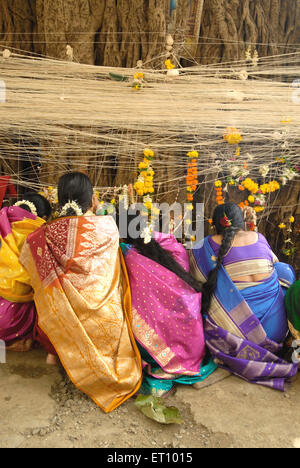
(82, 296)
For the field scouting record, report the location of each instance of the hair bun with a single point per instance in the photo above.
(29, 204)
(69, 208)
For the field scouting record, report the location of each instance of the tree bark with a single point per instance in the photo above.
(229, 27)
(101, 32)
(121, 32)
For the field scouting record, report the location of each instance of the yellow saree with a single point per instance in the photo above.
(17, 310)
(83, 301)
(15, 226)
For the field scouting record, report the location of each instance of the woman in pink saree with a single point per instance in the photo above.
(167, 320)
(18, 321)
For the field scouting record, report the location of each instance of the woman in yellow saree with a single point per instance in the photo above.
(82, 296)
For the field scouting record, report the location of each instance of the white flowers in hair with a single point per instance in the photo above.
(71, 206)
(30, 205)
(147, 234)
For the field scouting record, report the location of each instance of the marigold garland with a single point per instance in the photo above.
(144, 184)
(289, 248)
(192, 175)
(219, 192)
(138, 81)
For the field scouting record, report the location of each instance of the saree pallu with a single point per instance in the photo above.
(167, 321)
(17, 309)
(292, 304)
(234, 334)
(83, 303)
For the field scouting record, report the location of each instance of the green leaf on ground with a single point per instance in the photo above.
(155, 408)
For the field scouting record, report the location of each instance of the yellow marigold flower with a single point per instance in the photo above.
(218, 183)
(113, 201)
(251, 199)
(259, 209)
(282, 226)
(292, 219)
(250, 185)
(148, 153)
(139, 76)
(148, 205)
(169, 65)
(143, 166)
(193, 154)
(138, 185)
(232, 136)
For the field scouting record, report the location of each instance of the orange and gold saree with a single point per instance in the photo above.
(83, 301)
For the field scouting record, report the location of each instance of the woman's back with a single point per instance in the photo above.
(252, 253)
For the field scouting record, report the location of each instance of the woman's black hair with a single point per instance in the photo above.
(155, 252)
(41, 204)
(75, 187)
(235, 216)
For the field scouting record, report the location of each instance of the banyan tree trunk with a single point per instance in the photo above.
(121, 32)
(101, 32)
(229, 27)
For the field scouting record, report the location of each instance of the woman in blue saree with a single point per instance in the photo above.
(243, 300)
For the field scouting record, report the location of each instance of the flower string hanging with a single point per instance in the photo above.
(219, 192)
(144, 188)
(192, 175)
(289, 248)
(138, 81)
(233, 137)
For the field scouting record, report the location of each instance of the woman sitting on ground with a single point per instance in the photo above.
(82, 296)
(18, 320)
(167, 321)
(243, 300)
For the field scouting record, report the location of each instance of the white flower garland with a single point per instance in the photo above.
(71, 205)
(30, 205)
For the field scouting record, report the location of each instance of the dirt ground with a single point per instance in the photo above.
(40, 407)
